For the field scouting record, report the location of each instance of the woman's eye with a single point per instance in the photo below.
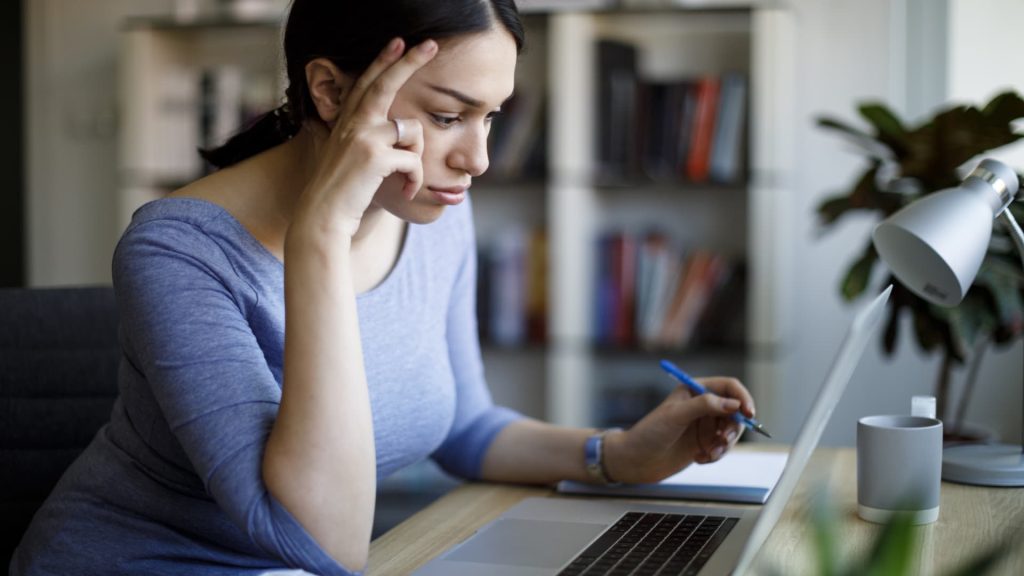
(492, 115)
(444, 121)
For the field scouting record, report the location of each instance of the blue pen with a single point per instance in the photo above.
(697, 389)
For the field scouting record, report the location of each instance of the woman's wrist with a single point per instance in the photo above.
(316, 237)
(612, 452)
(593, 458)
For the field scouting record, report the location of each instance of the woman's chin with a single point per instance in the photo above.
(421, 212)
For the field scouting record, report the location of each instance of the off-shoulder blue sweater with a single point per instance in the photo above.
(172, 485)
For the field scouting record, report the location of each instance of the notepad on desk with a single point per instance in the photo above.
(746, 477)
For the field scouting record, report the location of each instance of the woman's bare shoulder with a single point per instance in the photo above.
(241, 192)
(215, 188)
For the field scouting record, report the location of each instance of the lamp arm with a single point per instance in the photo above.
(1016, 234)
(1018, 241)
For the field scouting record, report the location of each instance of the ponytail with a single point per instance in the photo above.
(273, 128)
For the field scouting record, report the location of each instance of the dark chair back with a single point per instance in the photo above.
(58, 380)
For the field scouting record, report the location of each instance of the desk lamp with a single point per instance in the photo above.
(935, 247)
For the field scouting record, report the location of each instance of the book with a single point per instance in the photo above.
(684, 300)
(746, 477)
(663, 106)
(624, 276)
(727, 144)
(616, 107)
(662, 268)
(520, 130)
(702, 278)
(604, 297)
(537, 287)
(724, 321)
(507, 299)
(699, 155)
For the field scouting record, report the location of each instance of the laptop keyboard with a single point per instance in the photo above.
(652, 544)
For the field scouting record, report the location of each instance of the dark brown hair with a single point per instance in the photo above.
(351, 33)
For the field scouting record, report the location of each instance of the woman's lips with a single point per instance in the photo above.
(448, 196)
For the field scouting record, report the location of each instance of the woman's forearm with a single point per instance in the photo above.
(680, 431)
(532, 452)
(320, 459)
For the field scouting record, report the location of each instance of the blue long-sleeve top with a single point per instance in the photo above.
(173, 484)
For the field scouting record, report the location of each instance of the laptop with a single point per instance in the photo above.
(576, 536)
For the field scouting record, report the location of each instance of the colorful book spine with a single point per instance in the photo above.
(698, 162)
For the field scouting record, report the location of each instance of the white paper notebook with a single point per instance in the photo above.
(738, 477)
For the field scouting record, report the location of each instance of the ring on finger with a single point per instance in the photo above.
(399, 130)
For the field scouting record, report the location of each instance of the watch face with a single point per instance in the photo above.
(592, 458)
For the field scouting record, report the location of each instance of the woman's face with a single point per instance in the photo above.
(454, 97)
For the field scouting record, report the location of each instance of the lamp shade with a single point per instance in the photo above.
(935, 245)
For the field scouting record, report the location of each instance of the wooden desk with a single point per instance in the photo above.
(970, 519)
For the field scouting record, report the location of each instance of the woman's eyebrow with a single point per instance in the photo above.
(461, 97)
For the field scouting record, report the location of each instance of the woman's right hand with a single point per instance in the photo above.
(360, 148)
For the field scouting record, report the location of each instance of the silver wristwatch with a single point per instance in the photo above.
(593, 455)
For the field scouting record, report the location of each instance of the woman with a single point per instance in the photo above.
(240, 444)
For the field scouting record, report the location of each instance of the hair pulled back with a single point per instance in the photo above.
(351, 33)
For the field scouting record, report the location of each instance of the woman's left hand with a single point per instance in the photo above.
(683, 429)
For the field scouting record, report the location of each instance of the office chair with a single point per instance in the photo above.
(58, 380)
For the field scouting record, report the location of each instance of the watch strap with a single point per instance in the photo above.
(593, 457)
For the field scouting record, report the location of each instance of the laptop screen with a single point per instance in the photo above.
(861, 330)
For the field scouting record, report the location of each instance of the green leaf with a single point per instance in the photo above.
(856, 280)
(1002, 281)
(892, 331)
(1004, 108)
(865, 191)
(931, 329)
(889, 128)
(833, 124)
(963, 132)
(894, 548)
(969, 321)
(865, 195)
(902, 299)
(872, 146)
(832, 208)
(824, 521)
(1006, 265)
(934, 150)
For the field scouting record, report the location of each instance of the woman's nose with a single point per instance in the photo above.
(471, 155)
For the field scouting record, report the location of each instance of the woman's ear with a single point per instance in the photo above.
(327, 87)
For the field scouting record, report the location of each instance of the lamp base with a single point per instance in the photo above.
(984, 464)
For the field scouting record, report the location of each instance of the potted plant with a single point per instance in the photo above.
(905, 163)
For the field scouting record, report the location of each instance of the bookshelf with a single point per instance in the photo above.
(547, 177)
(743, 218)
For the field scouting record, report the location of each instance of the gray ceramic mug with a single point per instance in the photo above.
(899, 467)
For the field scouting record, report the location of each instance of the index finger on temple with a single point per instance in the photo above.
(378, 98)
